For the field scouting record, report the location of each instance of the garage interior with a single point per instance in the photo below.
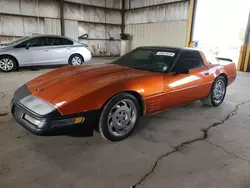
(189, 146)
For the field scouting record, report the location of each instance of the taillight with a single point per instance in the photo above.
(87, 47)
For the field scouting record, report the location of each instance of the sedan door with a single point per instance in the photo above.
(60, 49)
(182, 88)
(32, 52)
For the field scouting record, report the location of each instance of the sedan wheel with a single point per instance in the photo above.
(119, 117)
(76, 60)
(7, 64)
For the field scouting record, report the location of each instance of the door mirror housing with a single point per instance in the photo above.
(182, 71)
(27, 46)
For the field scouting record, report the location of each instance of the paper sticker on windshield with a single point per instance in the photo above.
(170, 54)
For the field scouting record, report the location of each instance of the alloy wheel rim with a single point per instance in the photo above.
(219, 91)
(122, 118)
(76, 60)
(6, 64)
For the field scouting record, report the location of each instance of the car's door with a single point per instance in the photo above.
(184, 88)
(60, 49)
(32, 51)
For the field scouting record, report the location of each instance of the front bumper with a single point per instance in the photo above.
(50, 124)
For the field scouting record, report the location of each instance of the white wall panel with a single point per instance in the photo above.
(94, 31)
(71, 29)
(99, 31)
(33, 25)
(49, 8)
(144, 3)
(164, 33)
(10, 22)
(114, 17)
(52, 26)
(45, 8)
(23, 25)
(84, 13)
(114, 31)
(103, 48)
(172, 12)
(8, 6)
(101, 3)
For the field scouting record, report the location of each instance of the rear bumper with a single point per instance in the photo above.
(52, 125)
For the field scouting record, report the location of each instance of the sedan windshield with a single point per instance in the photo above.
(150, 59)
(17, 41)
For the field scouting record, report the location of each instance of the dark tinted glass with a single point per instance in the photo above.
(188, 60)
(57, 41)
(152, 59)
(188, 63)
(35, 42)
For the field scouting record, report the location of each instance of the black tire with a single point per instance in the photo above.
(11, 60)
(209, 100)
(76, 56)
(103, 127)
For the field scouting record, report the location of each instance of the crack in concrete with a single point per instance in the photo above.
(228, 152)
(189, 142)
(4, 114)
(40, 177)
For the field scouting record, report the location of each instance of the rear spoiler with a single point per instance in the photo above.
(224, 59)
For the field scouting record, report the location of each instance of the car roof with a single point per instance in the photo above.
(181, 49)
(45, 35)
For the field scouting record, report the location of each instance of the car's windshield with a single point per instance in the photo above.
(17, 41)
(150, 59)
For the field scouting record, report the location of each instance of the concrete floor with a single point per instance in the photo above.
(190, 146)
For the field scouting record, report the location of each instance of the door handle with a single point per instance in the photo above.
(46, 50)
(68, 48)
(206, 73)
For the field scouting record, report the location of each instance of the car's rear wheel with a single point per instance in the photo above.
(119, 117)
(7, 64)
(217, 93)
(76, 59)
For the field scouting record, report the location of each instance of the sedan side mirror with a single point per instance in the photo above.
(182, 71)
(27, 46)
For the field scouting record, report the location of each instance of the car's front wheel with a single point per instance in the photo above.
(217, 93)
(119, 117)
(76, 59)
(7, 64)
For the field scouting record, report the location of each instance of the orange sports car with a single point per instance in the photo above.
(110, 98)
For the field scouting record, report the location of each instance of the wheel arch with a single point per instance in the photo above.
(76, 54)
(8, 55)
(225, 76)
(138, 97)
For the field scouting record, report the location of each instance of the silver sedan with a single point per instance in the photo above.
(42, 50)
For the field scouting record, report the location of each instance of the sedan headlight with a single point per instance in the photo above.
(37, 105)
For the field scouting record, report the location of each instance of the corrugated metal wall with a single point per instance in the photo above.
(81, 17)
(157, 25)
(163, 33)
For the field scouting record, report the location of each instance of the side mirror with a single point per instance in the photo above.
(182, 71)
(27, 46)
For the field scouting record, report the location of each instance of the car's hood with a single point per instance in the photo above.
(83, 79)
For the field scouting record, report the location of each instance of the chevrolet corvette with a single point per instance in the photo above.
(110, 98)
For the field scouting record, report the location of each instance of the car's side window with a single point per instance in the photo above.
(57, 41)
(34, 42)
(188, 62)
